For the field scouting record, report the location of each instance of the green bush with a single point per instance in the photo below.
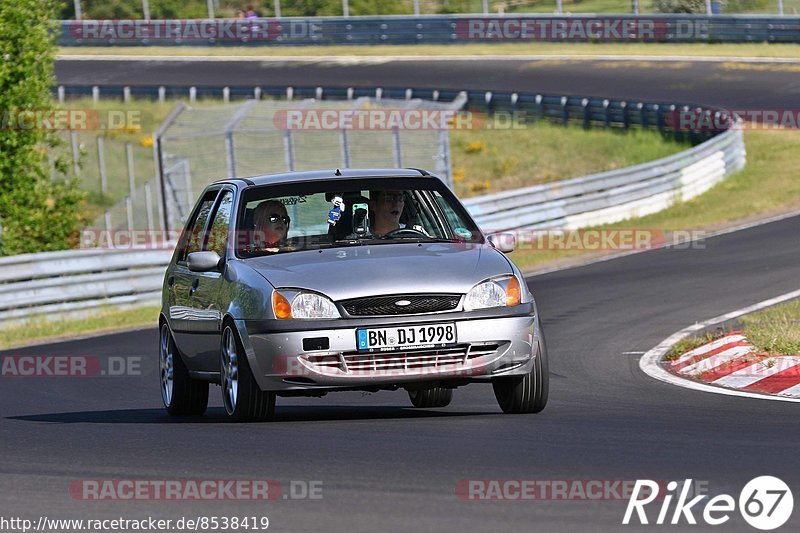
(679, 6)
(37, 213)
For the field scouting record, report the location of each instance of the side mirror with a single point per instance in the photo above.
(203, 261)
(505, 242)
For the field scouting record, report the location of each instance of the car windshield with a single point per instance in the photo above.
(349, 212)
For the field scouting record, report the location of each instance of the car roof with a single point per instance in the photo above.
(331, 174)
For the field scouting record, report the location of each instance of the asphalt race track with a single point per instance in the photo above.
(385, 466)
(753, 86)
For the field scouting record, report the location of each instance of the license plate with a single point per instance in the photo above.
(406, 337)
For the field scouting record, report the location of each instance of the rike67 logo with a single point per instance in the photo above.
(765, 503)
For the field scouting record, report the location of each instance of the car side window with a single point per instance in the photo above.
(193, 236)
(424, 215)
(455, 221)
(220, 225)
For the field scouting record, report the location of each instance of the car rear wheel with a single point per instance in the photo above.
(528, 393)
(244, 401)
(431, 397)
(181, 394)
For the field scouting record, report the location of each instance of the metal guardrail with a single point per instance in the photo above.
(56, 283)
(613, 196)
(434, 29)
(72, 282)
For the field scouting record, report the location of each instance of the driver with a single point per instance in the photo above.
(271, 224)
(387, 207)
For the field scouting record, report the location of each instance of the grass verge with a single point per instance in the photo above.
(775, 330)
(762, 50)
(486, 161)
(104, 320)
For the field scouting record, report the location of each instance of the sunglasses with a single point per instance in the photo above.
(273, 218)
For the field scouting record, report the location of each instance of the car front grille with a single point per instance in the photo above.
(388, 305)
(452, 358)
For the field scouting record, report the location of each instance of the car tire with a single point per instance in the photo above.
(244, 401)
(431, 397)
(181, 395)
(528, 393)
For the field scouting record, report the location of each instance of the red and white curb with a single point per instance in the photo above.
(731, 366)
(732, 362)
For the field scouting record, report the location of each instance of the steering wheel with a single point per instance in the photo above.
(405, 232)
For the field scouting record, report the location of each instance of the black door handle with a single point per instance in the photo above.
(195, 283)
(170, 282)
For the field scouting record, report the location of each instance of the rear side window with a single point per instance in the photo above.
(192, 237)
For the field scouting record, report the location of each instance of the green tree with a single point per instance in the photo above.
(680, 6)
(37, 213)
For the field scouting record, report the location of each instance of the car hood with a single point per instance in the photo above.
(357, 271)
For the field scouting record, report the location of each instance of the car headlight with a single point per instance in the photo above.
(302, 305)
(498, 292)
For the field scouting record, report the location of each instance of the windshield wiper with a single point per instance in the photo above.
(420, 238)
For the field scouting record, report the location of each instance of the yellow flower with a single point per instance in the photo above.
(481, 186)
(474, 147)
(146, 141)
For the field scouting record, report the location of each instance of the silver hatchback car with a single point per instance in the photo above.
(305, 283)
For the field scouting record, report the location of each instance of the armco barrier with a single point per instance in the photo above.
(51, 284)
(433, 29)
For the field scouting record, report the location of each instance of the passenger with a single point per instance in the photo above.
(271, 224)
(387, 207)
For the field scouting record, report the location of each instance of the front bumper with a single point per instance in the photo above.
(485, 348)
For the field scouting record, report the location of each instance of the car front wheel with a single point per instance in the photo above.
(244, 401)
(181, 394)
(528, 393)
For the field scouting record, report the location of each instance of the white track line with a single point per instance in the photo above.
(649, 363)
(396, 58)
